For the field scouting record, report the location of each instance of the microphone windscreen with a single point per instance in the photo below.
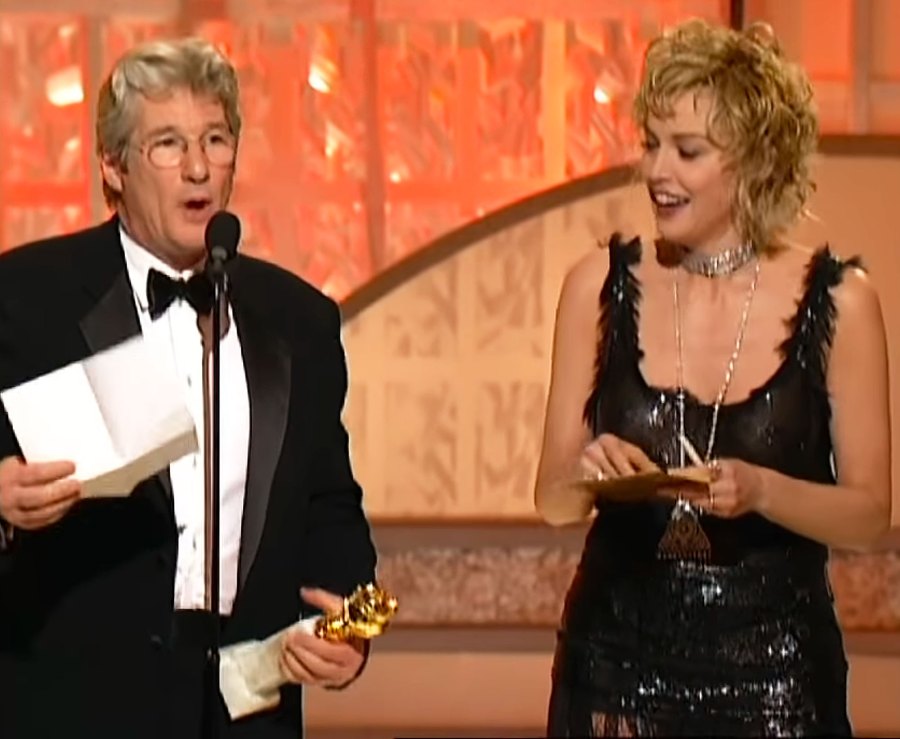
(223, 232)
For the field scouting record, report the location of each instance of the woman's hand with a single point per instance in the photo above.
(608, 456)
(735, 490)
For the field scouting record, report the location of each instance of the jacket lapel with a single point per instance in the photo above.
(113, 317)
(267, 363)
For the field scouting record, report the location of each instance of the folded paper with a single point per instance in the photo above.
(250, 675)
(119, 415)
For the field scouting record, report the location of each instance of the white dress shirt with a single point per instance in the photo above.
(175, 338)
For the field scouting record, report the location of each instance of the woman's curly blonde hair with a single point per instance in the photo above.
(762, 116)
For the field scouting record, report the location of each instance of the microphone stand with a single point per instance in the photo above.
(215, 270)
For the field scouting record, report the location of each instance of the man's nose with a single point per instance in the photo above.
(195, 167)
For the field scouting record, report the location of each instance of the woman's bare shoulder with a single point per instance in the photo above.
(586, 276)
(590, 268)
(855, 296)
(584, 279)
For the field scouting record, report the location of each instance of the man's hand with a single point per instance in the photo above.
(310, 660)
(36, 495)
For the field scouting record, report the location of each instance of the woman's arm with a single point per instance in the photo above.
(854, 513)
(857, 511)
(575, 341)
(568, 453)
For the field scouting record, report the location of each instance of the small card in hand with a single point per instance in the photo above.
(646, 485)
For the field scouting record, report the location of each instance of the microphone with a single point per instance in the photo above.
(223, 232)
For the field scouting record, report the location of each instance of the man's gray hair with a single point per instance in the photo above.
(154, 69)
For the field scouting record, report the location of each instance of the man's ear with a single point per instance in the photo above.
(111, 169)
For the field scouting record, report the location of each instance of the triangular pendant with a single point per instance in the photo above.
(684, 537)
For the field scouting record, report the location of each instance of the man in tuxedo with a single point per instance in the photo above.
(101, 601)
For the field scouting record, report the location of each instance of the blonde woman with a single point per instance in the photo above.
(707, 609)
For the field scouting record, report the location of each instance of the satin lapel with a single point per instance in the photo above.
(112, 320)
(267, 363)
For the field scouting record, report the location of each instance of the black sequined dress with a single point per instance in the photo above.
(747, 644)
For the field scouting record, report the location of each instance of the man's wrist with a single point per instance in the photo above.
(362, 666)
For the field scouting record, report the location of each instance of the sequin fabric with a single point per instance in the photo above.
(747, 644)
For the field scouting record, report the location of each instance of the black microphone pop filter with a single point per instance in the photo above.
(223, 232)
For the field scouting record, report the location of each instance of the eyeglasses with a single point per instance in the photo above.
(169, 150)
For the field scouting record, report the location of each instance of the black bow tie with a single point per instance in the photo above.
(162, 291)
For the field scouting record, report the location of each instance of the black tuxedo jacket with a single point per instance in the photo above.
(86, 605)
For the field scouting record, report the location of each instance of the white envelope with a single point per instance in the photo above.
(119, 415)
(250, 677)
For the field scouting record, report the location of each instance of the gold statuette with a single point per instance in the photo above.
(250, 674)
(365, 614)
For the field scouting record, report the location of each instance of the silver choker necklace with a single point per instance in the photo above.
(718, 265)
